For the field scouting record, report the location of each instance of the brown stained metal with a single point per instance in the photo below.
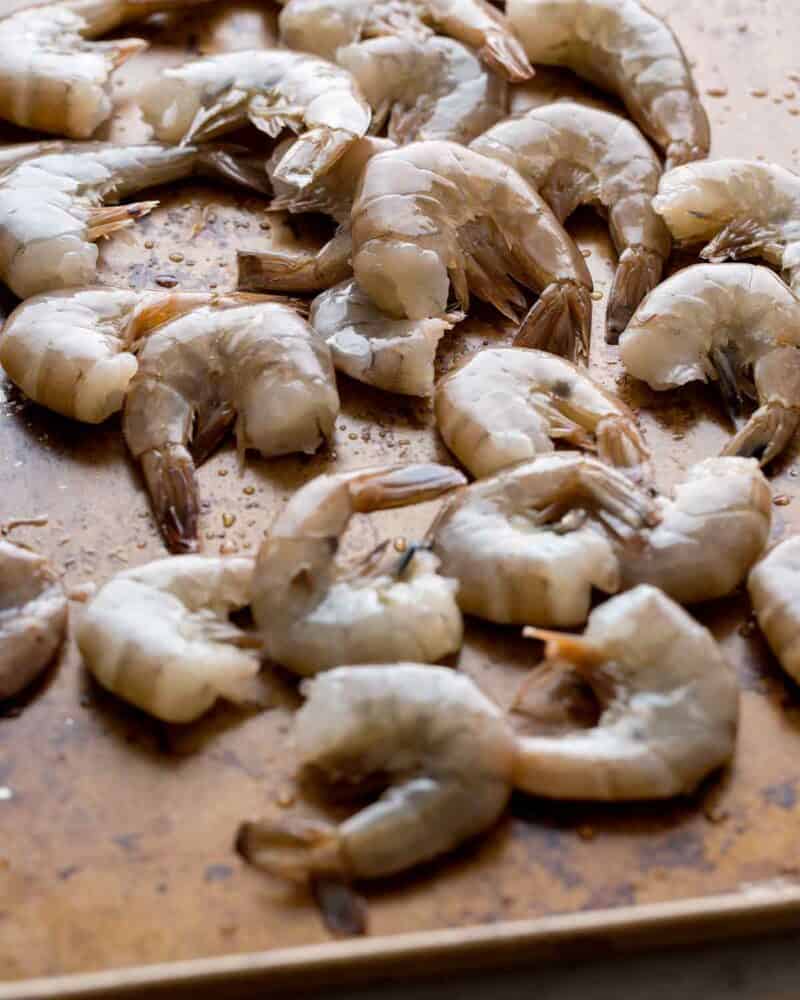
(116, 843)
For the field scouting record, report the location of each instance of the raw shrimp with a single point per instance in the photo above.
(575, 155)
(738, 208)
(622, 47)
(33, 617)
(507, 405)
(53, 207)
(315, 615)
(257, 364)
(53, 78)
(725, 323)
(431, 88)
(273, 90)
(434, 212)
(668, 699)
(324, 26)
(443, 751)
(397, 355)
(528, 545)
(775, 595)
(72, 351)
(160, 636)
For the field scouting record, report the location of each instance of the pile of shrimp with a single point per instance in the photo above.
(392, 118)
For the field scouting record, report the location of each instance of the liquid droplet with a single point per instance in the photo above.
(782, 500)
(717, 91)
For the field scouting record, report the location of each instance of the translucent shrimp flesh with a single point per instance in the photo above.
(397, 355)
(576, 155)
(315, 614)
(324, 26)
(508, 405)
(160, 636)
(622, 47)
(254, 365)
(737, 325)
(737, 208)
(54, 207)
(668, 703)
(774, 586)
(272, 89)
(33, 617)
(434, 213)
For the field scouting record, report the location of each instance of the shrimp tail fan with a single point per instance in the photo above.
(638, 273)
(560, 322)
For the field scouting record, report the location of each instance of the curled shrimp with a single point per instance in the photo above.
(315, 615)
(443, 751)
(397, 355)
(255, 365)
(623, 48)
(160, 637)
(668, 703)
(33, 617)
(775, 595)
(728, 323)
(54, 207)
(508, 405)
(324, 26)
(53, 77)
(738, 208)
(273, 90)
(576, 155)
(428, 89)
(433, 213)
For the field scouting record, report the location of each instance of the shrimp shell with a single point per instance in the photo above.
(576, 155)
(774, 592)
(621, 47)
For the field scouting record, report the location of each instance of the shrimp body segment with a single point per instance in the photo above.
(397, 355)
(443, 750)
(669, 706)
(54, 207)
(434, 213)
(736, 324)
(33, 617)
(775, 594)
(324, 26)
(315, 615)
(737, 208)
(576, 155)
(160, 637)
(621, 47)
(508, 405)
(273, 90)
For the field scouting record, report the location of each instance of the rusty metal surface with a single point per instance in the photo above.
(116, 831)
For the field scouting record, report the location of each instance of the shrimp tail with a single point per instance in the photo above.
(766, 434)
(403, 485)
(169, 474)
(560, 322)
(741, 238)
(575, 649)
(638, 272)
(620, 443)
(222, 163)
(122, 49)
(503, 53)
(680, 151)
(314, 152)
(107, 219)
(271, 271)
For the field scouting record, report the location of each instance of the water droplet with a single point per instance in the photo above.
(400, 544)
(5, 793)
(285, 798)
(353, 436)
(249, 491)
(149, 244)
(782, 500)
(229, 520)
(794, 112)
(166, 280)
(228, 549)
(176, 258)
(222, 472)
(759, 92)
(747, 628)
(597, 296)
(586, 253)
(720, 91)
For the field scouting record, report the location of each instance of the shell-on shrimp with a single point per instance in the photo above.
(774, 586)
(623, 48)
(315, 615)
(576, 155)
(397, 355)
(728, 323)
(33, 617)
(738, 208)
(669, 706)
(508, 405)
(53, 77)
(324, 26)
(433, 213)
(160, 636)
(273, 90)
(54, 207)
(428, 89)
(237, 361)
(444, 752)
